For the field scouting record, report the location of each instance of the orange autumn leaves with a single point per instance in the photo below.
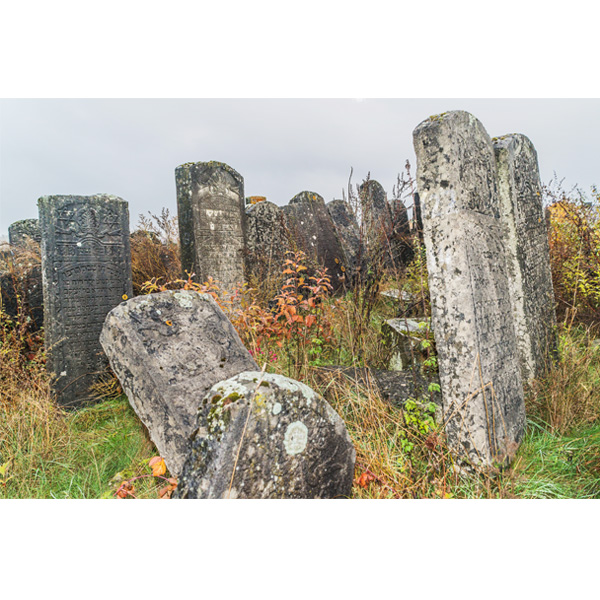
(158, 470)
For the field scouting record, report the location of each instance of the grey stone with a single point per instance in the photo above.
(472, 315)
(528, 253)
(262, 435)
(312, 231)
(348, 233)
(19, 231)
(266, 240)
(167, 350)
(21, 290)
(395, 387)
(86, 268)
(210, 207)
(404, 337)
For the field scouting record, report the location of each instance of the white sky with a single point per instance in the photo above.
(130, 148)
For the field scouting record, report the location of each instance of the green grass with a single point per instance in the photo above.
(87, 455)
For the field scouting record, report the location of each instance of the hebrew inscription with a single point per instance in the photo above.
(86, 266)
(210, 205)
(471, 303)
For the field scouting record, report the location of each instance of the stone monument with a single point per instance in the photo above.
(19, 231)
(472, 315)
(167, 350)
(528, 253)
(312, 231)
(86, 267)
(210, 207)
(262, 435)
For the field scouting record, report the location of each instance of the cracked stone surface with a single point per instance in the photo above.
(267, 436)
(167, 350)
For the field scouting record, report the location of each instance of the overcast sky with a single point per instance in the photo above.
(130, 148)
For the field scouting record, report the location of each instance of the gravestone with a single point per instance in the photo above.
(404, 338)
(528, 252)
(374, 206)
(86, 266)
(210, 207)
(266, 240)
(472, 315)
(348, 233)
(167, 350)
(312, 231)
(19, 231)
(262, 435)
(21, 292)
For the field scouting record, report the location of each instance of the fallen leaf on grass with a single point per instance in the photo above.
(158, 466)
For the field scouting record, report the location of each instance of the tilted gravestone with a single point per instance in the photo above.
(167, 350)
(528, 252)
(262, 435)
(312, 231)
(348, 233)
(19, 231)
(86, 265)
(472, 315)
(210, 207)
(266, 240)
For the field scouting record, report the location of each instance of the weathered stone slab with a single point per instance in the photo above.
(374, 205)
(348, 233)
(86, 267)
(21, 289)
(19, 231)
(167, 350)
(263, 435)
(266, 240)
(210, 207)
(472, 315)
(312, 231)
(404, 338)
(528, 253)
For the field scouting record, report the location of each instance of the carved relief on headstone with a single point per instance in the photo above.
(472, 315)
(19, 231)
(167, 350)
(86, 266)
(210, 206)
(312, 231)
(266, 241)
(262, 435)
(528, 252)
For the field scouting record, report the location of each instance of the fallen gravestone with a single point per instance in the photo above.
(210, 207)
(262, 435)
(472, 315)
(266, 241)
(19, 231)
(312, 231)
(167, 350)
(528, 253)
(86, 265)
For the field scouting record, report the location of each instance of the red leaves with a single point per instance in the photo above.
(365, 479)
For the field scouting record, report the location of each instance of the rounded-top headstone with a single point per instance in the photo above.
(262, 435)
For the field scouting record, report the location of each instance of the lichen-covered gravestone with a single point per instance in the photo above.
(266, 240)
(528, 252)
(312, 231)
(167, 350)
(348, 233)
(262, 435)
(19, 231)
(472, 315)
(210, 207)
(86, 266)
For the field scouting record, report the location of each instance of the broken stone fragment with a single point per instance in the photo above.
(262, 435)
